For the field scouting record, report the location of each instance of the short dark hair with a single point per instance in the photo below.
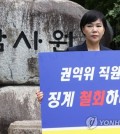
(91, 16)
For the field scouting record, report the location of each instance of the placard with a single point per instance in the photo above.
(81, 92)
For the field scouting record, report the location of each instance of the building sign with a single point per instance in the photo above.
(58, 36)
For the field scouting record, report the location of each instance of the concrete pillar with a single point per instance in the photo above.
(25, 127)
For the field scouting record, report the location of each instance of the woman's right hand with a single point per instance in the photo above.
(39, 95)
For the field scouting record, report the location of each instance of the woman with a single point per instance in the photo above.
(93, 25)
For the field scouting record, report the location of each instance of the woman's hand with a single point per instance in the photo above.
(39, 96)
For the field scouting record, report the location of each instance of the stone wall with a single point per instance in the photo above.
(28, 27)
(31, 26)
(18, 103)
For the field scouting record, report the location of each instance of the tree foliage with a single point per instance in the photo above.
(102, 5)
(113, 16)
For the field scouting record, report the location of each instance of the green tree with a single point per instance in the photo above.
(102, 5)
(113, 16)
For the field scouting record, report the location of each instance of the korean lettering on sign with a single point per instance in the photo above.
(57, 35)
(87, 98)
(87, 73)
